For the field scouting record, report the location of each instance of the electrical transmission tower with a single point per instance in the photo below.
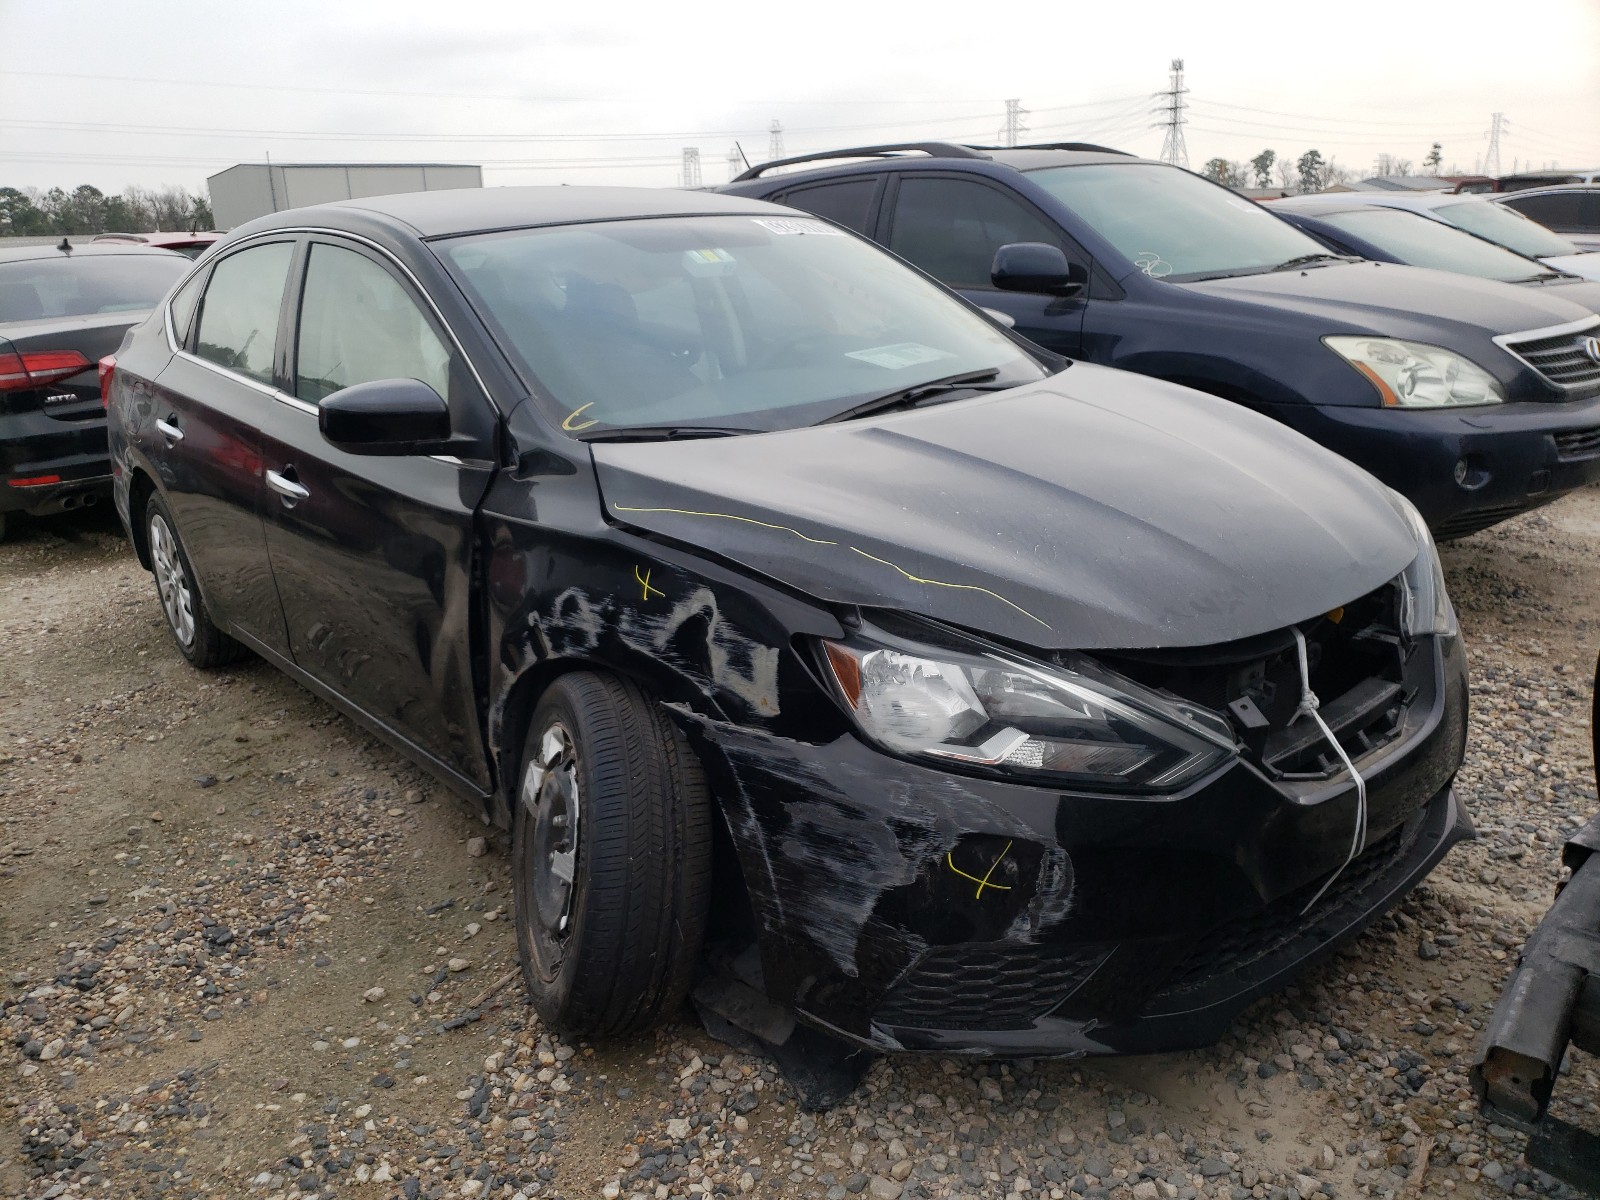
(735, 163)
(691, 166)
(775, 142)
(1014, 126)
(1172, 148)
(1491, 160)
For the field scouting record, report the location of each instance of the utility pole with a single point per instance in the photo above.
(1014, 126)
(1491, 160)
(691, 166)
(1172, 148)
(775, 141)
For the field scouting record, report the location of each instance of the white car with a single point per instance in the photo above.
(1494, 222)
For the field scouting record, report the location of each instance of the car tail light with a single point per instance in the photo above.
(108, 368)
(37, 368)
(33, 480)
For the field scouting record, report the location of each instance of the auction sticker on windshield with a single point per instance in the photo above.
(901, 354)
(797, 225)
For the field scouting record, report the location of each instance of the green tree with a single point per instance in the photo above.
(1434, 157)
(88, 208)
(202, 214)
(19, 216)
(1262, 165)
(1310, 166)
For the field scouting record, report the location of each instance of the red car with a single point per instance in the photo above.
(193, 244)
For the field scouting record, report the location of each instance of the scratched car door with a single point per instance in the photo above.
(373, 554)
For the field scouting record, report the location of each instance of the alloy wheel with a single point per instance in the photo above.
(171, 580)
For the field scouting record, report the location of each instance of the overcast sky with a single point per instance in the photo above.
(153, 92)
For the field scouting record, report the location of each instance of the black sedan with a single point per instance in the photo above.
(61, 309)
(713, 552)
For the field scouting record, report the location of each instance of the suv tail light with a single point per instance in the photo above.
(108, 368)
(38, 368)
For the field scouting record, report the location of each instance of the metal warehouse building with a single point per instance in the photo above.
(250, 190)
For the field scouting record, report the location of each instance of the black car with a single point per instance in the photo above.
(61, 309)
(715, 553)
(1474, 399)
(1394, 235)
(1569, 209)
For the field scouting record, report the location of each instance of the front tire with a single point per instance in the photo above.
(200, 641)
(611, 867)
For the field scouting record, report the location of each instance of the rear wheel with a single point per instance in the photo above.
(201, 642)
(611, 865)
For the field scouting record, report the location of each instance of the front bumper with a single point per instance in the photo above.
(1513, 457)
(34, 445)
(905, 908)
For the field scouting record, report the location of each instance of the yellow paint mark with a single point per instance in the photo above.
(644, 582)
(567, 421)
(684, 512)
(965, 587)
(1337, 615)
(984, 882)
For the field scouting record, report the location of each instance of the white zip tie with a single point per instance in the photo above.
(1308, 707)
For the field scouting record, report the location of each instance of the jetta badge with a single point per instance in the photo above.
(1591, 347)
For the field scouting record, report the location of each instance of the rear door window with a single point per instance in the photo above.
(358, 324)
(847, 202)
(239, 312)
(1558, 210)
(952, 227)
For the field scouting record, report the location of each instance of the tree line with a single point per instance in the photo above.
(87, 210)
(1310, 172)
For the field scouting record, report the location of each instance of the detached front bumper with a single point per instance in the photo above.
(906, 908)
(1464, 469)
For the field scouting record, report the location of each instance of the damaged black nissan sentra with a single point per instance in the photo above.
(816, 639)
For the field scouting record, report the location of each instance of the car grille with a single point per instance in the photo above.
(1562, 360)
(1580, 443)
(1462, 524)
(987, 985)
(1237, 945)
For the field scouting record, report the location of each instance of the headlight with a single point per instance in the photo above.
(1076, 724)
(1424, 603)
(1412, 375)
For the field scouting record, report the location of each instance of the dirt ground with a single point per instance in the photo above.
(246, 950)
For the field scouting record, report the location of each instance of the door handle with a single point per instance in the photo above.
(289, 489)
(170, 431)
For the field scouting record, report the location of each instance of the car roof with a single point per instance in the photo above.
(1554, 189)
(472, 210)
(944, 155)
(1414, 201)
(170, 237)
(86, 250)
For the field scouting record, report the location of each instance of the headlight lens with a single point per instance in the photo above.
(1424, 602)
(1077, 725)
(1413, 375)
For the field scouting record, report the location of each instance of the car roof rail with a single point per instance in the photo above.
(1081, 147)
(932, 149)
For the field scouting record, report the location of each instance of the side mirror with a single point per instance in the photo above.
(1036, 267)
(386, 416)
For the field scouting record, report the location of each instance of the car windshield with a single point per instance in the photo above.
(36, 288)
(1171, 224)
(1505, 228)
(743, 322)
(1414, 239)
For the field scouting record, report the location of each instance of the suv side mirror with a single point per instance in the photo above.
(386, 416)
(1036, 267)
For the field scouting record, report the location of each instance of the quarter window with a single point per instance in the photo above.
(358, 324)
(848, 203)
(952, 227)
(183, 306)
(1555, 210)
(239, 315)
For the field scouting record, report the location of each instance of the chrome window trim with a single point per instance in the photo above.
(1509, 341)
(298, 231)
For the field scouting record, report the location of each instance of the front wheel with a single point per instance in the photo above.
(200, 641)
(611, 866)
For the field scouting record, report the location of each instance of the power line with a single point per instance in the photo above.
(1172, 148)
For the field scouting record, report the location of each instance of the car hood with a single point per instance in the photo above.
(1586, 264)
(1095, 509)
(1377, 297)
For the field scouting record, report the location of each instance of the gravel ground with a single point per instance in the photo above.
(247, 951)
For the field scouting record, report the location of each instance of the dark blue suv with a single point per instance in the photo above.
(1475, 398)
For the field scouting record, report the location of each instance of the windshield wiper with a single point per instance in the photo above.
(910, 396)
(662, 433)
(1306, 259)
